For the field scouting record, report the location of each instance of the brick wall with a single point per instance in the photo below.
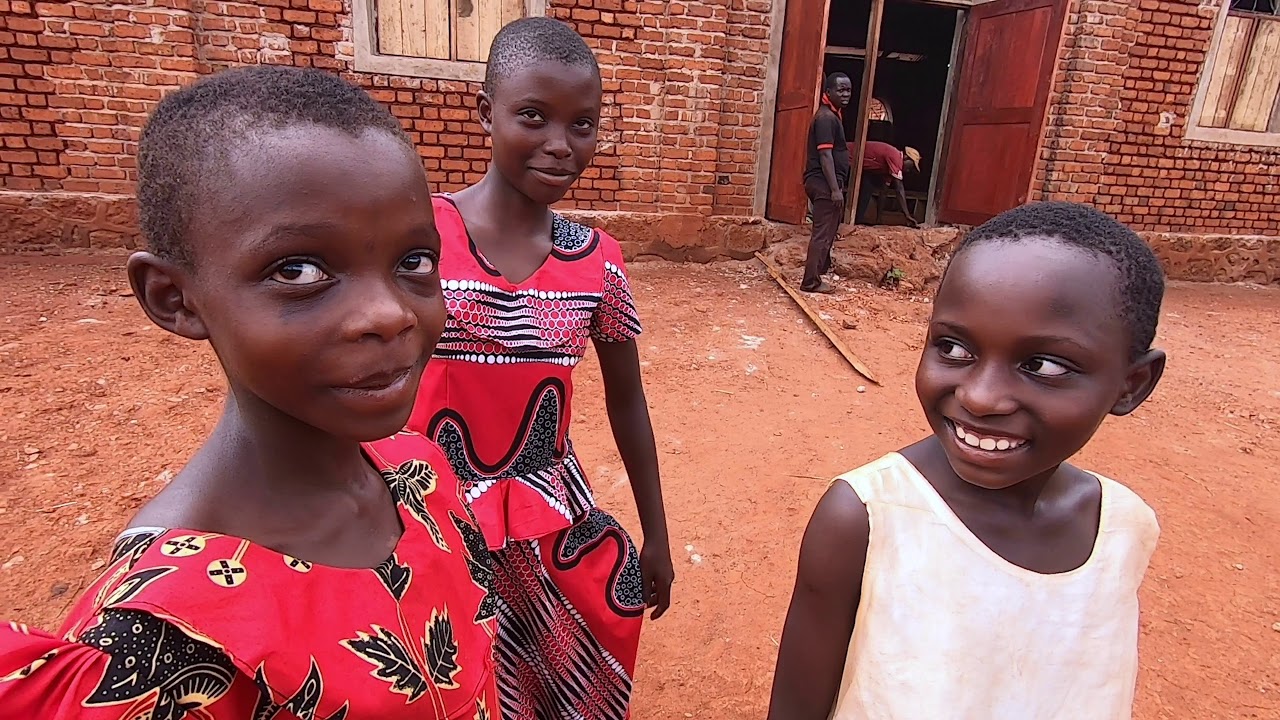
(684, 84)
(683, 87)
(1119, 107)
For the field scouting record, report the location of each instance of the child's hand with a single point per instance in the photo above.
(658, 573)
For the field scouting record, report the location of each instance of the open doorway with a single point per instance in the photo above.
(909, 94)
(977, 124)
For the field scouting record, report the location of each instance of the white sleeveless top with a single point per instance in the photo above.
(948, 630)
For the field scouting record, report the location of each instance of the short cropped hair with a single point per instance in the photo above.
(1140, 281)
(533, 40)
(184, 147)
(830, 84)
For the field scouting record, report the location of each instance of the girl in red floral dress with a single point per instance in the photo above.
(527, 291)
(298, 567)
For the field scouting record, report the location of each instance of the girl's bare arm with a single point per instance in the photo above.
(815, 639)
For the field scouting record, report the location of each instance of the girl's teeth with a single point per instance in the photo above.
(987, 444)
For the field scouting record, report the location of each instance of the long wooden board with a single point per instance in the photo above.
(864, 111)
(1253, 106)
(466, 30)
(817, 320)
(1225, 71)
(390, 28)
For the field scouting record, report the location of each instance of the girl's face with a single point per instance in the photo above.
(314, 279)
(1026, 356)
(543, 119)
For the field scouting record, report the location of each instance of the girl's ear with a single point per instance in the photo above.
(163, 289)
(484, 108)
(1144, 375)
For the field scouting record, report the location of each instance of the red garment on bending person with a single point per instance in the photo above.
(881, 159)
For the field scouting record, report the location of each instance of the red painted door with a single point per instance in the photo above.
(804, 34)
(1011, 48)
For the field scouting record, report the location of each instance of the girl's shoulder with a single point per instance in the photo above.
(574, 240)
(1126, 514)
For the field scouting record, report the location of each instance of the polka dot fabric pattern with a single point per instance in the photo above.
(615, 319)
(186, 624)
(497, 397)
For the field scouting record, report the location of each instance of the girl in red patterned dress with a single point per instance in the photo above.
(298, 567)
(527, 291)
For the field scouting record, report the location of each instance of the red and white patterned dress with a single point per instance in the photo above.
(496, 397)
(200, 626)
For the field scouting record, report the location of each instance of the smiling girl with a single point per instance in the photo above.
(977, 574)
(310, 560)
(527, 292)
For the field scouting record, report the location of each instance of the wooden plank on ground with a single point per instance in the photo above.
(817, 320)
(390, 27)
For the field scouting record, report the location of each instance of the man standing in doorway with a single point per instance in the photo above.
(826, 175)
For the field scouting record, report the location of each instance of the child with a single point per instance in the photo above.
(289, 571)
(526, 291)
(976, 574)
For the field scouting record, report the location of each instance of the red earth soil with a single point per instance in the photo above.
(752, 410)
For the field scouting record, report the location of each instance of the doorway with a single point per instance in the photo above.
(909, 91)
(967, 83)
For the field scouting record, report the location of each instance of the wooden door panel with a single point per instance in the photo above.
(804, 33)
(1010, 52)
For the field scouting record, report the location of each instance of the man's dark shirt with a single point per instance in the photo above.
(827, 133)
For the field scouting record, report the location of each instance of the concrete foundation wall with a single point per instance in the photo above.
(77, 222)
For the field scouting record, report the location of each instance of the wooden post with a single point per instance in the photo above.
(864, 107)
(944, 124)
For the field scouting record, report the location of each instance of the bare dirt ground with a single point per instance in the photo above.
(752, 410)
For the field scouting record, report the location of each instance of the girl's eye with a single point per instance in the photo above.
(953, 350)
(1045, 367)
(530, 115)
(299, 273)
(419, 263)
(584, 124)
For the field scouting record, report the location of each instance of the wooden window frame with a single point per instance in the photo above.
(368, 60)
(1196, 131)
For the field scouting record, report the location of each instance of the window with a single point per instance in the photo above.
(443, 39)
(1239, 96)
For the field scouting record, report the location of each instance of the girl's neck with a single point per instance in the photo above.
(1020, 499)
(261, 447)
(495, 197)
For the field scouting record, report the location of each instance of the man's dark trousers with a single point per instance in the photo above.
(826, 223)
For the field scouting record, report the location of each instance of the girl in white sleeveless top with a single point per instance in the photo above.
(975, 575)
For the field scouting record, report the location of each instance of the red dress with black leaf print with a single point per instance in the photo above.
(497, 397)
(186, 624)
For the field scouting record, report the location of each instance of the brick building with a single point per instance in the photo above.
(1154, 111)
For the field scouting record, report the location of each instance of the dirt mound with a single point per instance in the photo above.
(869, 253)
